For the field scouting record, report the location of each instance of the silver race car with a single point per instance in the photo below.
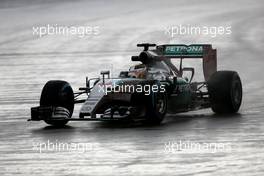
(147, 91)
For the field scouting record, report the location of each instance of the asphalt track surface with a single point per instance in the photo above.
(27, 62)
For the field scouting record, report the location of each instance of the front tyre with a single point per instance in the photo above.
(225, 92)
(156, 107)
(59, 94)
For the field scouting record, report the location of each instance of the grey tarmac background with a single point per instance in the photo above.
(27, 62)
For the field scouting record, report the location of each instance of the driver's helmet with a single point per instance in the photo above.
(138, 71)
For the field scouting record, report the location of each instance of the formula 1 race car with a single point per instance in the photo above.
(147, 91)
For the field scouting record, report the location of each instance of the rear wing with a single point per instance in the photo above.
(203, 51)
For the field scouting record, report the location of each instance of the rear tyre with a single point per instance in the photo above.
(225, 92)
(57, 93)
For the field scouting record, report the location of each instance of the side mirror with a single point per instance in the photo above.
(103, 73)
(89, 82)
(107, 72)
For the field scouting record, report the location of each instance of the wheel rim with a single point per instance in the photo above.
(161, 104)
